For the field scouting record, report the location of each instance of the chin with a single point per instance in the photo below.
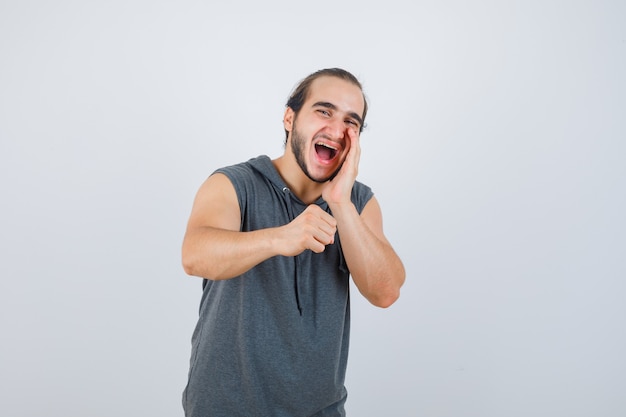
(326, 178)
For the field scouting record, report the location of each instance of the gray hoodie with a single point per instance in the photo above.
(274, 340)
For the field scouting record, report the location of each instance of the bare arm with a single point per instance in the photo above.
(376, 269)
(214, 248)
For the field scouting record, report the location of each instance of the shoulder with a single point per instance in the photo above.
(361, 195)
(254, 168)
(250, 180)
(243, 175)
(240, 170)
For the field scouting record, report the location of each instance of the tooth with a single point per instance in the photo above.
(327, 146)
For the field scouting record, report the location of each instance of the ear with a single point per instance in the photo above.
(288, 119)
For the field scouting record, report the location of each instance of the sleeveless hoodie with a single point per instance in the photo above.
(274, 340)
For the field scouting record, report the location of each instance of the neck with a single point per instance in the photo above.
(303, 187)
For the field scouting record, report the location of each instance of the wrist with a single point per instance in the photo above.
(340, 208)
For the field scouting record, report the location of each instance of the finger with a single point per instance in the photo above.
(324, 238)
(352, 156)
(329, 220)
(326, 234)
(323, 215)
(317, 247)
(355, 143)
(324, 229)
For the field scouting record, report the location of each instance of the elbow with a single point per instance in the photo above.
(385, 300)
(188, 269)
(191, 263)
(187, 259)
(387, 294)
(198, 267)
(198, 263)
(189, 266)
(193, 269)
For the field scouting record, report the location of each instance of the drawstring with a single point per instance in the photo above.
(342, 262)
(297, 266)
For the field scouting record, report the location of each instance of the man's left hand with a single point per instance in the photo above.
(339, 189)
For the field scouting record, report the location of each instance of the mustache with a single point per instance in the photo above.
(328, 138)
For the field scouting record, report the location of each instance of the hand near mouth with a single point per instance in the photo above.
(339, 189)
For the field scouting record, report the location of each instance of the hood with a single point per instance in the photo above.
(263, 164)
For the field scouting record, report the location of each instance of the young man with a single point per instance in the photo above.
(276, 241)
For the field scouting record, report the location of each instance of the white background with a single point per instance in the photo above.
(495, 146)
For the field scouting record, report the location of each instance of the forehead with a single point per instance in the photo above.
(347, 96)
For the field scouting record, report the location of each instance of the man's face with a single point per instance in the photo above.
(319, 137)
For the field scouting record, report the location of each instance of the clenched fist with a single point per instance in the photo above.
(313, 229)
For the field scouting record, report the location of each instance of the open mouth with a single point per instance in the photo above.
(325, 151)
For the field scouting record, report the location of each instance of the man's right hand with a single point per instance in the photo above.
(214, 248)
(313, 229)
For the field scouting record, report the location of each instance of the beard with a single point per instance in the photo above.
(297, 147)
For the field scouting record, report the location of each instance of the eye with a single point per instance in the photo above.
(324, 112)
(352, 122)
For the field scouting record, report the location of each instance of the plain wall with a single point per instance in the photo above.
(495, 147)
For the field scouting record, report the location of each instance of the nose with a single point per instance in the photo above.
(336, 128)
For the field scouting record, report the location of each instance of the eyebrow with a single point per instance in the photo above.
(331, 106)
